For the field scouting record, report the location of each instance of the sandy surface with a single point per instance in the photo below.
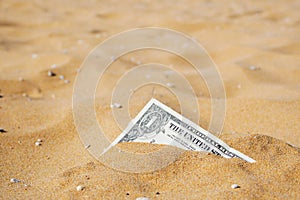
(263, 106)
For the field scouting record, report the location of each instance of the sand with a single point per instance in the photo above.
(262, 112)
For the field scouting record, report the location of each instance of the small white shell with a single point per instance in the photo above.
(234, 186)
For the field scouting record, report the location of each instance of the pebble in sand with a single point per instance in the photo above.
(142, 198)
(51, 73)
(170, 85)
(235, 186)
(38, 142)
(116, 105)
(61, 77)
(254, 68)
(34, 56)
(2, 130)
(14, 180)
(79, 188)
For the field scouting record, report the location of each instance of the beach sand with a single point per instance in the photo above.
(262, 105)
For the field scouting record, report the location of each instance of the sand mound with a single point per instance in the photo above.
(275, 174)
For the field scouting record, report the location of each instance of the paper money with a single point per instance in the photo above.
(159, 124)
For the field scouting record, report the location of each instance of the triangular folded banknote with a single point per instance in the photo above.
(158, 124)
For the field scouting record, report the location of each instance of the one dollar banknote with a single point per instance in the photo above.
(159, 124)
